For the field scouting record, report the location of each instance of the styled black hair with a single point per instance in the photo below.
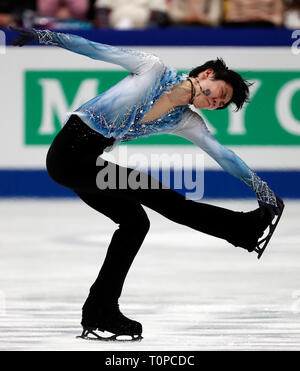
(221, 72)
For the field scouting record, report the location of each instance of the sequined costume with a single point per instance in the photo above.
(118, 112)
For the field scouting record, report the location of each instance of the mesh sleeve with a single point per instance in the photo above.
(195, 130)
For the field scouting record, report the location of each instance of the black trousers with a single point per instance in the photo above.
(71, 162)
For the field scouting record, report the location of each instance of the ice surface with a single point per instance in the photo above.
(189, 290)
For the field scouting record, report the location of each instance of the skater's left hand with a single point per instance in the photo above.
(271, 210)
(25, 36)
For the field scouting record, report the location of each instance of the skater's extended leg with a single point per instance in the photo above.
(238, 228)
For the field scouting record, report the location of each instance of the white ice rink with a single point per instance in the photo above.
(190, 291)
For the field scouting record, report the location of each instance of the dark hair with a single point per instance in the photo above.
(239, 85)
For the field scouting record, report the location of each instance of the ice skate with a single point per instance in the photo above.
(262, 244)
(257, 224)
(90, 334)
(113, 321)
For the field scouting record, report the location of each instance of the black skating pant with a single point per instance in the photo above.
(71, 162)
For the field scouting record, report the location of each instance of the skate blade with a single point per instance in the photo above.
(263, 243)
(92, 335)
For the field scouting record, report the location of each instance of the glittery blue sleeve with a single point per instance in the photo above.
(134, 61)
(195, 130)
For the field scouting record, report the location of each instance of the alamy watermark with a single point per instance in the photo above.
(119, 170)
(2, 42)
(296, 44)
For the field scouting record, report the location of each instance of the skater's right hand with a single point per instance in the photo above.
(271, 210)
(25, 36)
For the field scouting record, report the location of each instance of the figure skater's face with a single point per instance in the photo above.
(211, 94)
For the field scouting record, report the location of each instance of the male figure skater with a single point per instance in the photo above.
(152, 99)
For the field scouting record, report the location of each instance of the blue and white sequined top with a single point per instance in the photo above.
(118, 112)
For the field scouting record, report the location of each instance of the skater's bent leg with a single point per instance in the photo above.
(126, 241)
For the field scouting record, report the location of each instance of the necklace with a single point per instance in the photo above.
(192, 91)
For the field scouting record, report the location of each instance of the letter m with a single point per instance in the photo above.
(54, 101)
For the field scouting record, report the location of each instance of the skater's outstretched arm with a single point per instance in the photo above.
(133, 61)
(195, 130)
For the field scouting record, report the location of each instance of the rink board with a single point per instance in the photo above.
(41, 84)
(37, 183)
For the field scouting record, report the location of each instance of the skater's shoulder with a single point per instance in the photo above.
(192, 118)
